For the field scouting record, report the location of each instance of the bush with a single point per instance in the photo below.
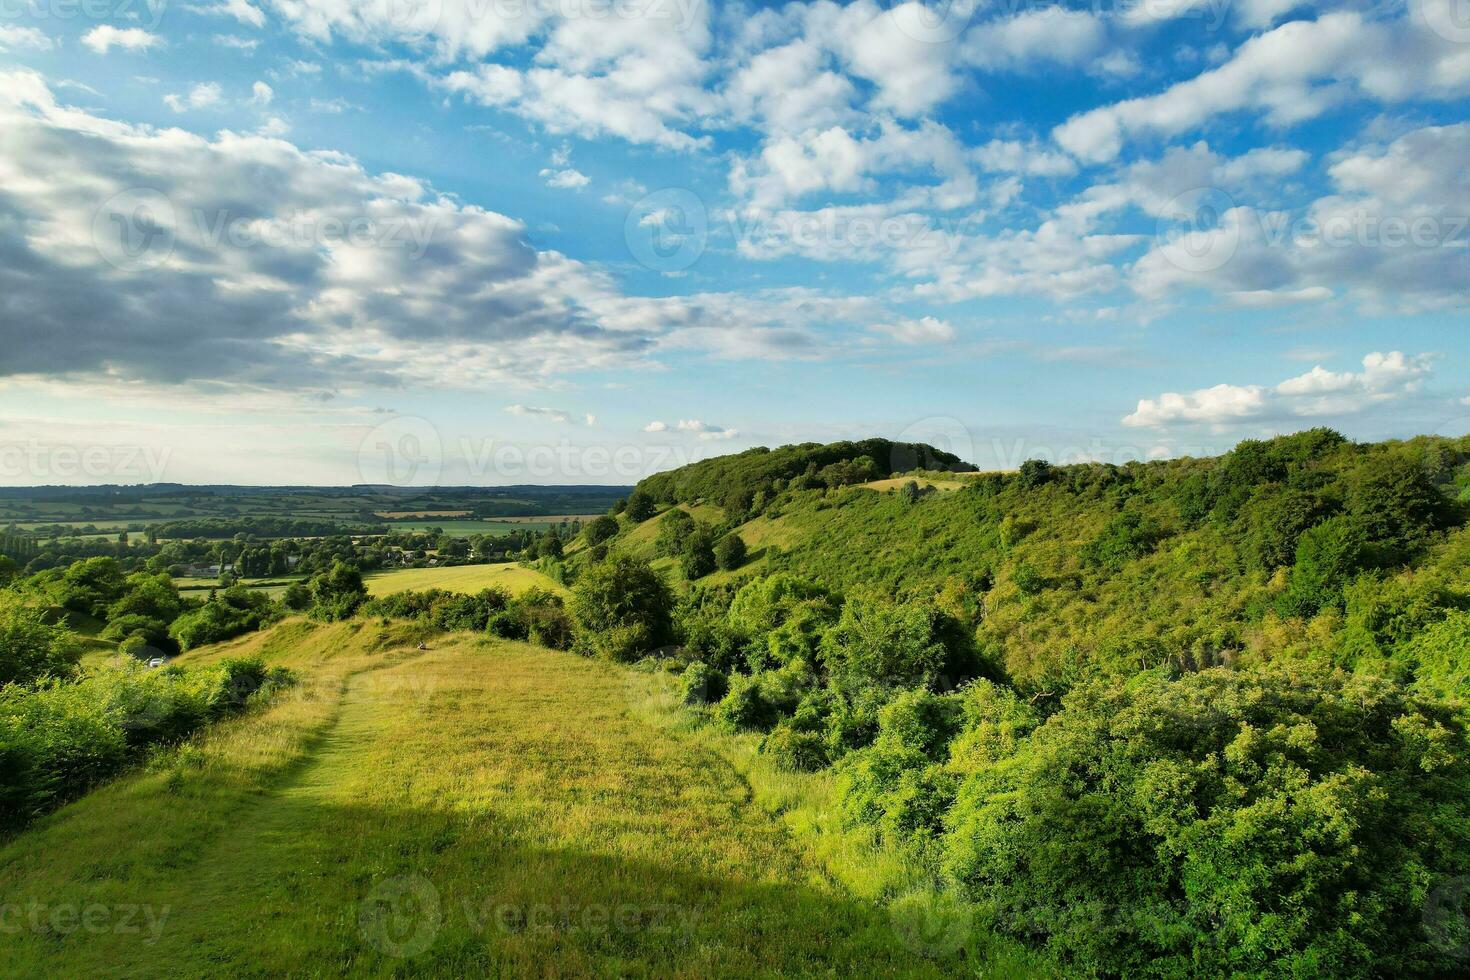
(231, 613)
(730, 552)
(1125, 538)
(703, 684)
(640, 507)
(673, 529)
(698, 559)
(793, 750)
(1327, 556)
(153, 632)
(1284, 822)
(622, 608)
(886, 645)
(61, 738)
(601, 529)
(337, 593)
(31, 648)
(745, 707)
(297, 597)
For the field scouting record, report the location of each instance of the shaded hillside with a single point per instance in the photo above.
(749, 480)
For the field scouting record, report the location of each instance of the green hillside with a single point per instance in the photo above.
(479, 808)
(794, 712)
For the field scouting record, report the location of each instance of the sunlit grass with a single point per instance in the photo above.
(514, 578)
(476, 808)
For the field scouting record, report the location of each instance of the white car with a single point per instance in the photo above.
(157, 661)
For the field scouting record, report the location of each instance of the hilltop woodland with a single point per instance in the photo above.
(1197, 717)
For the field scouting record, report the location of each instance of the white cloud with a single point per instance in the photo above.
(241, 10)
(1393, 237)
(262, 94)
(333, 278)
(1052, 35)
(656, 426)
(549, 414)
(1290, 74)
(569, 178)
(1317, 393)
(924, 330)
(106, 37)
(201, 96)
(21, 38)
(835, 161)
(1016, 157)
(706, 431)
(246, 44)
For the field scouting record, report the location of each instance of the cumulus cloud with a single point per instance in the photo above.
(1393, 235)
(106, 37)
(1292, 73)
(569, 178)
(1317, 393)
(705, 430)
(159, 255)
(656, 426)
(201, 96)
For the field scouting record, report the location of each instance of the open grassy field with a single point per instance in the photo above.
(461, 578)
(481, 808)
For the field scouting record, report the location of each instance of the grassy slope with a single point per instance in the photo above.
(474, 778)
(460, 578)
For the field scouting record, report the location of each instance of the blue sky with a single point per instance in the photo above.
(578, 240)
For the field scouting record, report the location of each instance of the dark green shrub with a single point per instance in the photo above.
(601, 529)
(703, 684)
(31, 648)
(1285, 822)
(794, 750)
(745, 706)
(730, 552)
(623, 609)
(337, 593)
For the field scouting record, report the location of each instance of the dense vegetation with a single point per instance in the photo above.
(1192, 717)
(747, 480)
(1182, 718)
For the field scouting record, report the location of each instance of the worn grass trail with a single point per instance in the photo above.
(482, 808)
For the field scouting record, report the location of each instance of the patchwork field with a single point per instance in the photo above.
(479, 809)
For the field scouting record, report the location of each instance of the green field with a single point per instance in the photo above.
(515, 579)
(482, 808)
